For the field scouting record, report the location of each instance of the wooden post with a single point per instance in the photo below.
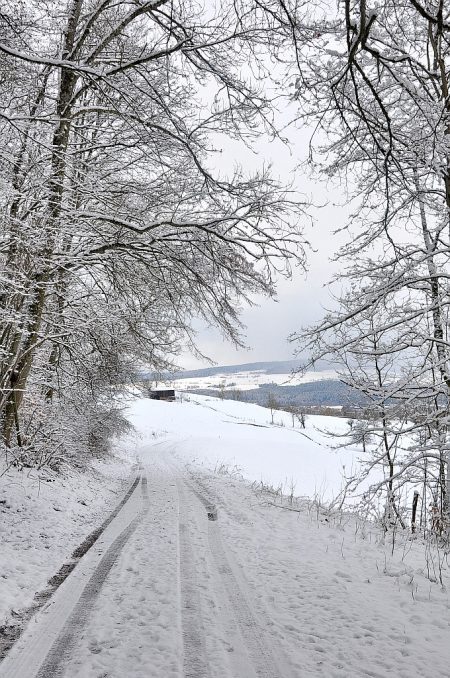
(414, 511)
(212, 512)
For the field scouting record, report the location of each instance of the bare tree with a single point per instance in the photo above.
(272, 404)
(376, 82)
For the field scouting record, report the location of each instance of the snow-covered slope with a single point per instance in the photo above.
(234, 434)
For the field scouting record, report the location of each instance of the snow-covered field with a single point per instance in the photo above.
(233, 434)
(247, 380)
(271, 589)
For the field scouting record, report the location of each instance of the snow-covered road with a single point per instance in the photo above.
(156, 596)
(261, 592)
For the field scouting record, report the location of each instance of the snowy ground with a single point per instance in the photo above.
(43, 518)
(261, 592)
(227, 433)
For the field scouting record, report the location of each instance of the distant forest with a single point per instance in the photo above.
(325, 393)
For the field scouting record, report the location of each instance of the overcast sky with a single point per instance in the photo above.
(300, 300)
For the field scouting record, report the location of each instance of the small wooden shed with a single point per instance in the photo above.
(163, 394)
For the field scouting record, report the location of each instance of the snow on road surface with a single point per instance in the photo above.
(261, 591)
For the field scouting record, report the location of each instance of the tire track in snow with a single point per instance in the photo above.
(44, 648)
(194, 655)
(41, 598)
(53, 666)
(255, 638)
(261, 661)
(256, 641)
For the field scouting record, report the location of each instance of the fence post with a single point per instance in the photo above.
(414, 511)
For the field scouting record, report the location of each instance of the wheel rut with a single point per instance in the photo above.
(46, 645)
(253, 634)
(53, 666)
(195, 664)
(250, 651)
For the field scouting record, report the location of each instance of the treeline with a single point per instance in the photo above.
(319, 393)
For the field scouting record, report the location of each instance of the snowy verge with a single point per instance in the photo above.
(43, 518)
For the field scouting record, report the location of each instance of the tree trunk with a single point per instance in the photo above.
(19, 375)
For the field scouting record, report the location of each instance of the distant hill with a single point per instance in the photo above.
(273, 367)
(261, 382)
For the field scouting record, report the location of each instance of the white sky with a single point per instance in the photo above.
(301, 299)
